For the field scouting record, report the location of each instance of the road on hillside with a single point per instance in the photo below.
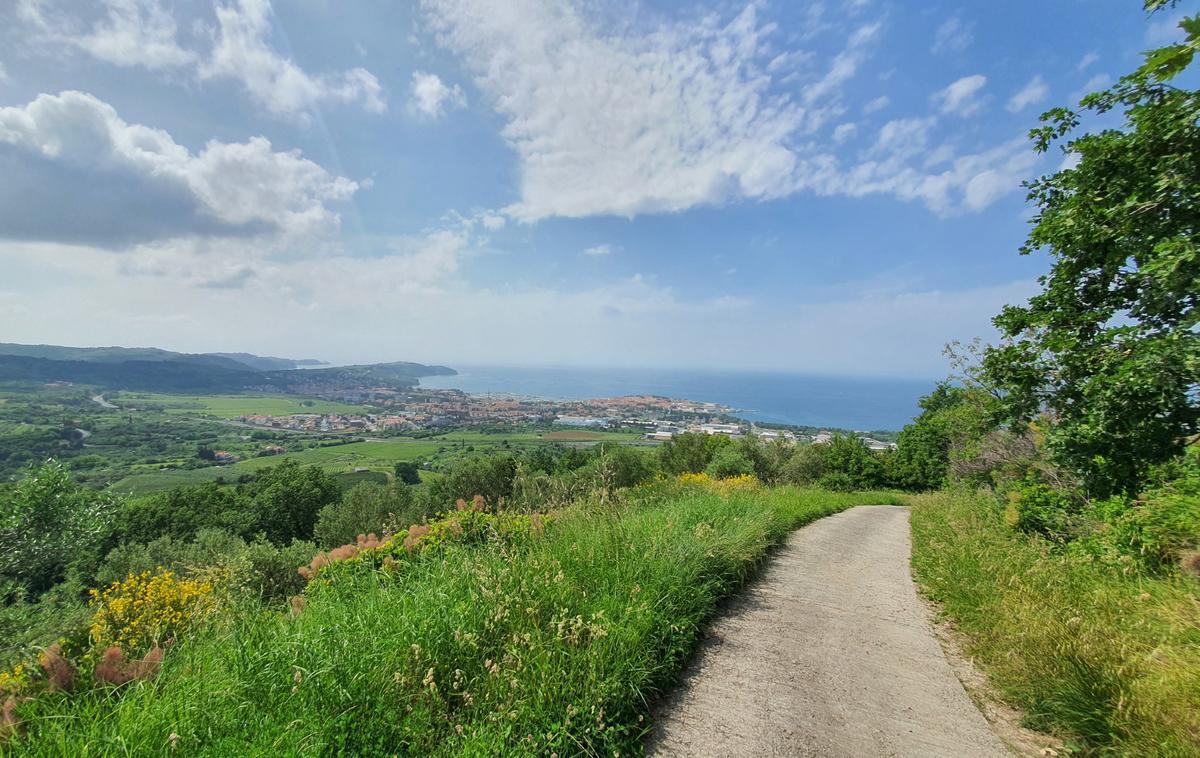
(829, 653)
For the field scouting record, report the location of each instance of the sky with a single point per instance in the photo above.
(824, 186)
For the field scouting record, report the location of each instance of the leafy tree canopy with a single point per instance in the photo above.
(1110, 346)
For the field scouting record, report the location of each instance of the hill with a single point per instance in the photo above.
(115, 354)
(156, 370)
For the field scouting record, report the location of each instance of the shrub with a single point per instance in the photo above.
(145, 610)
(1106, 658)
(1037, 508)
(47, 522)
(365, 508)
(730, 462)
(689, 453)
(1154, 532)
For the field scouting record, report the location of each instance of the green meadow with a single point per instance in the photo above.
(232, 406)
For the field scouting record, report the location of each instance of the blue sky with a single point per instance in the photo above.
(828, 186)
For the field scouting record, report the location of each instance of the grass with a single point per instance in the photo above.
(556, 643)
(378, 455)
(1110, 661)
(232, 406)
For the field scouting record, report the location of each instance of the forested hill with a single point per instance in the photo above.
(115, 354)
(154, 370)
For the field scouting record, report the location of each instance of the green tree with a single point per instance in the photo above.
(365, 509)
(184, 511)
(489, 476)
(921, 460)
(689, 453)
(407, 472)
(729, 462)
(287, 498)
(1110, 346)
(48, 522)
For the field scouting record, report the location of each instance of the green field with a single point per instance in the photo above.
(232, 406)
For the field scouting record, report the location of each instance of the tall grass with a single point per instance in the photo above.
(1110, 659)
(553, 645)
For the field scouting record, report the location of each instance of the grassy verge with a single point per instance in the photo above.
(1108, 659)
(554, 643)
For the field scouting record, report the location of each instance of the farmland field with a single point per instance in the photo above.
(232, 406)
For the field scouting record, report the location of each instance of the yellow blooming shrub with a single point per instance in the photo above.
(147, 609)
(14, 680)
(738, 483)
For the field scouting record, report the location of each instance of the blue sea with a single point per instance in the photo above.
(862, 404)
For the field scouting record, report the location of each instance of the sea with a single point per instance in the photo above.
(857, 403)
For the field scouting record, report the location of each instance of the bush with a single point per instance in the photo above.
(260, 569)
(1156, 531)
(145, 610)
(48, 522)
(728, 463)
(364, 509)
(689, 453)
(1037, 508)
(844, 463)
(1107, 658)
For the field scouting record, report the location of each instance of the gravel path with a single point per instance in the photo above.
(829, 653)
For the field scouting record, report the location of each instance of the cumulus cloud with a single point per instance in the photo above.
(1031, 94)
(953, 36)
(598, 250)
(76, 171)
(135, 33)
(960, 98)
(241, 52)
(431, 97)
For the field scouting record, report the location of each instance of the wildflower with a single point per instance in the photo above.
(415, 533)
(145, 609)
(60, 674)
(10, 722)
(114, 669)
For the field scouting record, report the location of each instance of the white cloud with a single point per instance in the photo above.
(960, 98)
(844, 132)
(431, 97)
(125, 183)
(135, 33)
(1031, 94)
(953, 36)
(877, 104)
(632, 321)
(492, 222)
(1096, 83)
(599, 250)
(1086, 61)
(241, 52)
(605, 124)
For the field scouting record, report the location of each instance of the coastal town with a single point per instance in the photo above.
(657, 418)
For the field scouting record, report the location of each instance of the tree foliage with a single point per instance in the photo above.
(47, 522)
(1110, 346)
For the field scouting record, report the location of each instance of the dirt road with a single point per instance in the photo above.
(829, 653)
